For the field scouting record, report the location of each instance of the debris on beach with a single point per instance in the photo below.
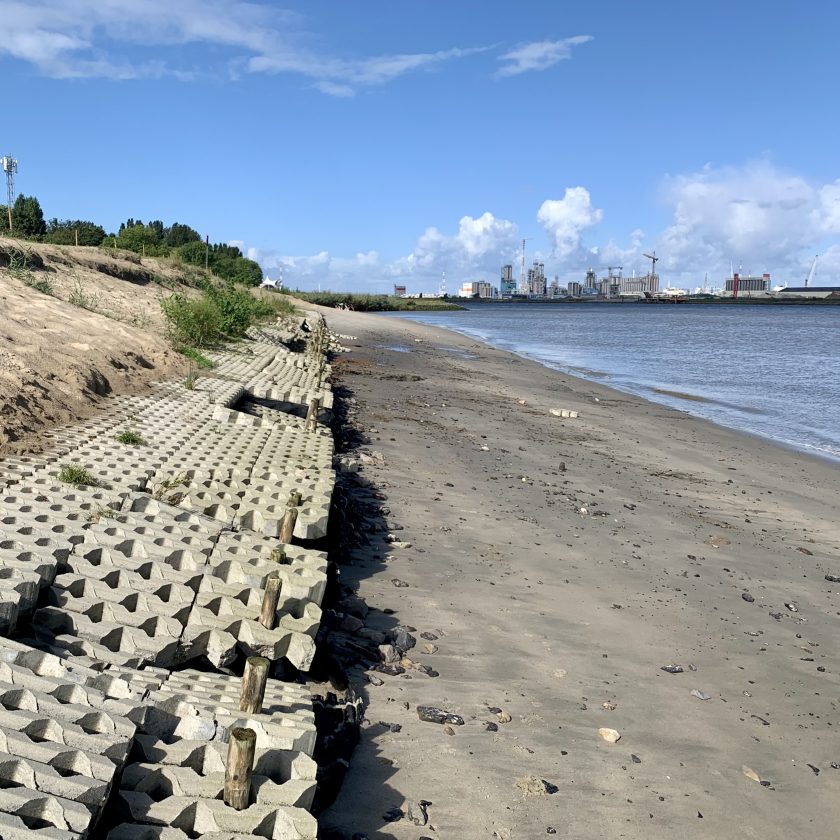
(534, 786)
(431, 714)
(672, 669)
(700, 695)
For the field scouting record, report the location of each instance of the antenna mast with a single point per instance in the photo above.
(10, 166)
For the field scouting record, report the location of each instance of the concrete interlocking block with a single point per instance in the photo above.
(192, 705)
(237, 615)
(200, 817)
(65, 733)
(246, 558)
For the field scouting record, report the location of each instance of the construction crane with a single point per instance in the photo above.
(810, 276)
(653, 261)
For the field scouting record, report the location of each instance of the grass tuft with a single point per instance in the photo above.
(131, 438)
(75, 474)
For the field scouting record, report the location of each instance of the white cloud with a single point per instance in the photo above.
(566, 219)
(756, 216)
(539, 55)
(88, 38)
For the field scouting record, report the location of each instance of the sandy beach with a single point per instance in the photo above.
(550, 569)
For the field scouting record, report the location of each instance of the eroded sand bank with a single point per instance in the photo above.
(562, 564)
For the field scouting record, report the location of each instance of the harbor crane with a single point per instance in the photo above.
(653, 261)
(810, 276)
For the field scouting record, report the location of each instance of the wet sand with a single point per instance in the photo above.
(561, 564)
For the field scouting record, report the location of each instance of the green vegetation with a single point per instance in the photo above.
(40, 284)
(27, 217)
(130, 438)
(376, 303)
(193, 354)
(178, 241)
(74, 474)
(222, 312)
(82, 298)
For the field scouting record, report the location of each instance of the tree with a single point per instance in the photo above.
(179, 234)
(28, 217)
(63, 232)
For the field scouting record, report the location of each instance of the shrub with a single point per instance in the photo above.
(192, 322)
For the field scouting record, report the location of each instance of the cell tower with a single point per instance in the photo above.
(10, 166)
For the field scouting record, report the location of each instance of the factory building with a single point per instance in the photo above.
(574, 288)
(478, 288)
(738, 285)
(507, 285)
(536, 280)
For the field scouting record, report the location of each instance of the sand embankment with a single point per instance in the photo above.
(94, 328)
(555, 566)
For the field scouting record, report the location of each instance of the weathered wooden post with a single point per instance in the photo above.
(287, 526)
(312, 414)
(240, 765)
(253, 685)
(271, 596)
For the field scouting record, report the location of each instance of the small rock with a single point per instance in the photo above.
(429, 637)
(389, 653)
(374, 680)
(833, 578)
(392, 815)
(429, 649)
(400, 584)
(792, 607)
(635, 759)
(747, 597)
(402, 639)
(611, 736)
(815, 769)
(700, 695)
(351, 624)
(431, 714)
(504, 717)
(392, 670)
(492, 727)
(803, 550)
(354, 605)
(672, 669)
(608, 707)
(551, 830)
(425, 669)
(448, 730)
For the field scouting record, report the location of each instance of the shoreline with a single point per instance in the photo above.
(549, 569)
(597, 377)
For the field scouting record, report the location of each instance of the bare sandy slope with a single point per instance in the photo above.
(57, 359)
(561, 564)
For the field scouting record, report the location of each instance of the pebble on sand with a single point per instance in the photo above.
(611, 736)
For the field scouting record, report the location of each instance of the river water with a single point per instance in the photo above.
(773, 371)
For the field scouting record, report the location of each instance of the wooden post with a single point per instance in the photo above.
(271, 596)
(76, 231)
(312, 414)
(287, 526)
(253, 684)
(240, 765)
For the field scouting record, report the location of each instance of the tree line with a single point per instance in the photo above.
(153, 239)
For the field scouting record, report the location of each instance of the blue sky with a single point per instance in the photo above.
(354, 145)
